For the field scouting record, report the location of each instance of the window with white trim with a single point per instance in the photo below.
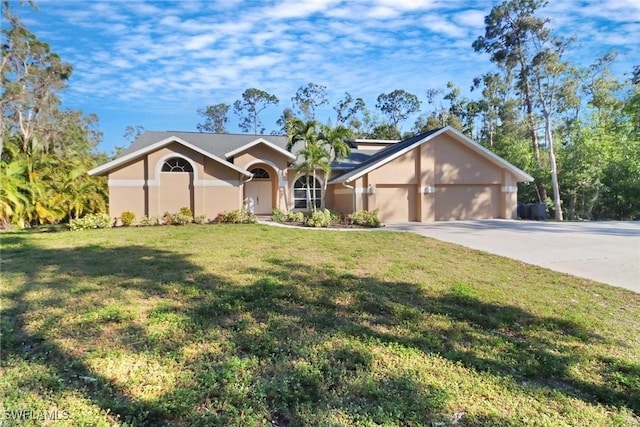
(176, 164)
(300, 193)
(259, 173)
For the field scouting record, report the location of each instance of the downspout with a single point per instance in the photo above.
(353, 201)
(243, 183)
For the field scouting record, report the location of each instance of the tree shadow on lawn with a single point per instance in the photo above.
(505, 341)
(296, 339)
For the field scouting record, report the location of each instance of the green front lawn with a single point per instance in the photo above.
(255, 325)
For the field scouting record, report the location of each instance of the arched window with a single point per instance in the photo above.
(177, 164)
(259, 173)
(300, 193)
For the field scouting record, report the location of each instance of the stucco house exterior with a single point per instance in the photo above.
(439, 175)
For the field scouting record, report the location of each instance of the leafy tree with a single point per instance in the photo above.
(317, 147)
(131, 133)
(305, 133)
(441, 115)
(347, 111)
(15, 197)
(46, 150)
(397, 106)
(312, 157)
(215, 118)
(253, 102)
(31, 77)
(590, 138)
(554, 91)
(283, 120)
(334, 142)
(512, 31)
(308, 98)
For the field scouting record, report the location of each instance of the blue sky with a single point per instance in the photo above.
(154, 63)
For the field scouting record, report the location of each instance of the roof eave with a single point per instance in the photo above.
(521, 176)
(245, 147)
(104, 169)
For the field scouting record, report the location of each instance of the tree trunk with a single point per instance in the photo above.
(554, 168)
(531, 125)
(308, 193)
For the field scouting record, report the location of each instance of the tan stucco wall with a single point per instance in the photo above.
(398, 171)
(215, 200)
(457, 164)
(130, 171)
(123, 199)
(175, 191)
(142, 188)
(341, 198)
(260, 153)
(439, 180)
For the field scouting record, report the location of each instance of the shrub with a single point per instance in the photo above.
(127, 218)
(186, 211)
(200, 219)
(150, 220)
(181, 219)
(295, 217)
(278, 216)
(321, 218)
(336, 216)
(167, 218)
(98, 220)
(238, 216)
(365, 218)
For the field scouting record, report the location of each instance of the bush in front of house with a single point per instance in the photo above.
(278, 216)
(88, 222)
(238, 216)
(181, 219)
(200, 219)
(320, 218)
(365, 218)
(127, 218)
(150, 220)
(295, 217)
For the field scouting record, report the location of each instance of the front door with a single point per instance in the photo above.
(259, 194)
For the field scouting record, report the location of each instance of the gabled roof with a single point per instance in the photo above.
(257, 142)
(100, 170)
(392, 152)
(211, 145)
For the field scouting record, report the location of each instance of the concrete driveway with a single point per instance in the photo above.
(608, 252)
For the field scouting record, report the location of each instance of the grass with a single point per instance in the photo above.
(256, 325)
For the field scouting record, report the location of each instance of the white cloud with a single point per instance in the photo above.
(200, 41)
(150, 54)
(297, 8)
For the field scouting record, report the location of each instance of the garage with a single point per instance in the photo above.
(397, 203)
(456, 202)
(440, 175)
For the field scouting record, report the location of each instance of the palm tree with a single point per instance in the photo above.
(77, 192)
(322, 146)
(335, 142)
(306, 133)
(14, 201)
(315, 157)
